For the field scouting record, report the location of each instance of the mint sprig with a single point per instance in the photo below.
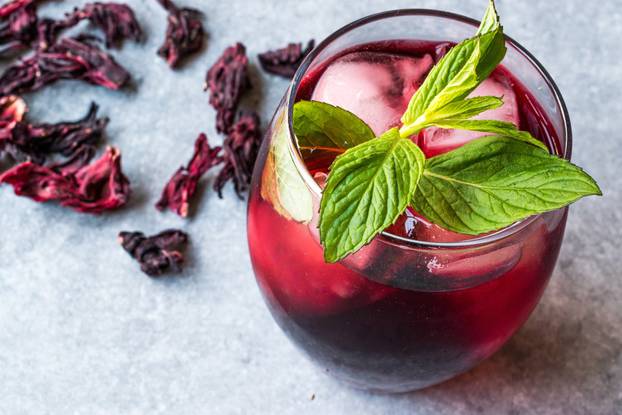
(485, 185)
(457, 74)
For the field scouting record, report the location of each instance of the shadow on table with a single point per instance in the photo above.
(568, 356)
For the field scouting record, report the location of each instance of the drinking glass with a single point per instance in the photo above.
(400, 314)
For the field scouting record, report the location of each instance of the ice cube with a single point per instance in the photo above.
(482, 267)
(436, 141)
(374, 86)
(385, 262)
(455, 264)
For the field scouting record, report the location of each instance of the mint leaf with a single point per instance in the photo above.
(490, 21)
(491, 126)
(368, 187)
(494, 181)
(282, 184)
(457, 74)
(462, 109)
(322, 126)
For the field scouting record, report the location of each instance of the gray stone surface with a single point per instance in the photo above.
(82, 331)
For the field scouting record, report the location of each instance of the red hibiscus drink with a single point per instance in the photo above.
(419, 304)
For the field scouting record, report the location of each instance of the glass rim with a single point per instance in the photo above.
(387, 236)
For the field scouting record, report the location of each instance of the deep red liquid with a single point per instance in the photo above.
(384, 336)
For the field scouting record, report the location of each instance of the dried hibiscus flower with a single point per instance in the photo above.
(101, 185)
(36, 141)
(240, 150)
(184, 33)
(117, 21)
(38, 182)
(226, 81)
(23, 140)
(156, 254)
(183, 185)
(69, 137)
(8, 9)
(284, 62)
(93, 188)
(18, 26)
(76, 161)
(70, 58)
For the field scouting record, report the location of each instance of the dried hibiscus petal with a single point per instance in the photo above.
(93, 188)
(240, 150)
(18, 26)
(284, 62)
(6, 10)
(227, 80)
(183, 185)
(48, 31)
(79, 159)
(71, 58)
(117, 21)
(39, 183)
(156, 254)
(184, 33)
(101, 185)
(66, 138)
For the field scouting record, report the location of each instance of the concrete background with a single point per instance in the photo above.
(82, 331)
